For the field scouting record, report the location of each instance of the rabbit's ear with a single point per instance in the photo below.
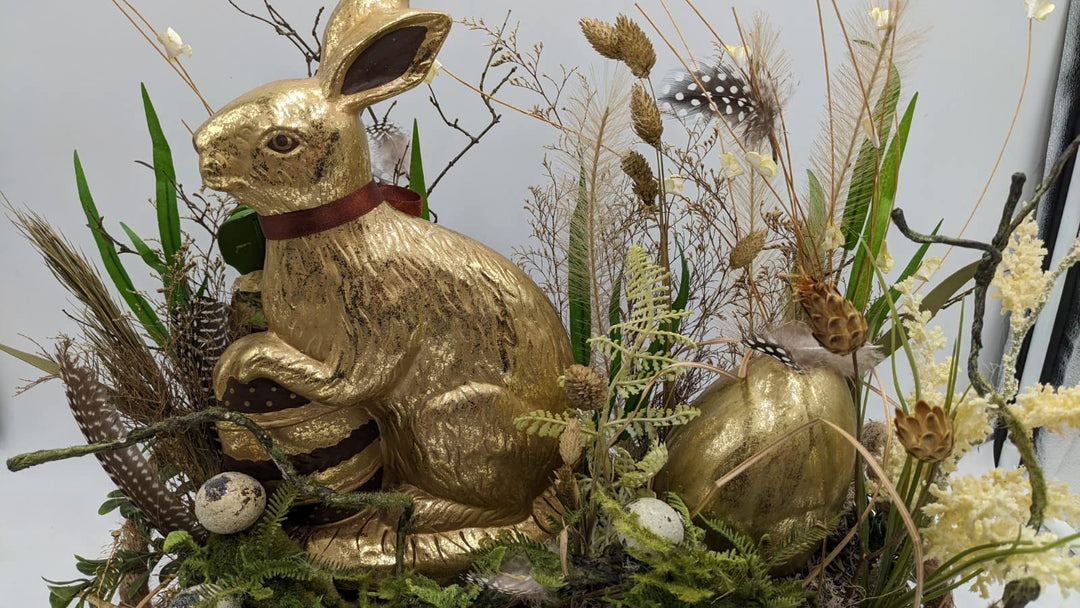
(380, 58)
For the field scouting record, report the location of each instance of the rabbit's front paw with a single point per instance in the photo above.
(240, 361)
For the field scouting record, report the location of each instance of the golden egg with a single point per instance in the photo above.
(804, 479)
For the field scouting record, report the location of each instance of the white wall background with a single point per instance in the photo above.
(71, 72)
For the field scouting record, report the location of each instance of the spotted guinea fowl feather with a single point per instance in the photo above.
(127, 468)
(687, 94)
(795, 346)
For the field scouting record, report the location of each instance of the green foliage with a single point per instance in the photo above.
(142, 309)
(690, 574)
(241, 241)
(262, 564)
(865, 173)
(416, 172)
(579, 286)
(878, 221)
(649, 321)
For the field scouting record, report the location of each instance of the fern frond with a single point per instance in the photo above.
(543, 423)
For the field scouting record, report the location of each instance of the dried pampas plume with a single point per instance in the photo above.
(646, 116)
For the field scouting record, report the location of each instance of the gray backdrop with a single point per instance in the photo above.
(71, 71)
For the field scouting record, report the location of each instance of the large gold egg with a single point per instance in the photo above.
(805, 479)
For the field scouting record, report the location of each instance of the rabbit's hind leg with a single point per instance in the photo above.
(367, 540)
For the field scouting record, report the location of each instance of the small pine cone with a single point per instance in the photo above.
(646, 187)
(585, 388)
(570, 443)
(834, 321)
(747, 249)
(636, 48)
(927, 434)
(603, 37)
(646, 116)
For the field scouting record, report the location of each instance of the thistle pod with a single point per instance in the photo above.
(646, 116)
(585, 389)
(636, 48)
(926, 434)
(747, 249)
(602, 36)
(646, 186)
(834, 321)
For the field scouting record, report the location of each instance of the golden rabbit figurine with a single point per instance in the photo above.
(440, 339)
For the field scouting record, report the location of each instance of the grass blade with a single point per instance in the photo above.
(168, 214)
(111, 259)
(46, 365)
(152, 260)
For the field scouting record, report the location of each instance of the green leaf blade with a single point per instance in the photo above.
(113, 266)
(579, 287)
(416, 172)
(46, 365)
(168, 212)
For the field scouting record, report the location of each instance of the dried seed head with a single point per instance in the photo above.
(927, 433)
(636, 48)
(834, 321)
(585, 388)
(570, 443)
(873, 436)
(646, 186)
(646, 116)
(602, 36)
(747, 249)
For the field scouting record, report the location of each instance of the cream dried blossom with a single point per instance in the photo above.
(925, 342)
(763, 164)
(738, 55)
(1054, 408)
(884, 261)
(971, 426)
(1020, 280)
(1038, 9)
(927, 269)
(673, 184)
(173, 43)
(834, 238)
(731, 165)
(882, 18)
(973, 510)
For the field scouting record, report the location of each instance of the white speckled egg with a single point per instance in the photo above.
(657, 517)
(229, 503)
(195, 596)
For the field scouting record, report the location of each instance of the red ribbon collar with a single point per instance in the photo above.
(346, 209)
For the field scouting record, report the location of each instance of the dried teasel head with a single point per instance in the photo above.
(927, 433)
(571, 443)
(586, 389)
(747, 249)
(646, 186)
(637, 50)
(646, 116)
(602, 36)
(834, 321)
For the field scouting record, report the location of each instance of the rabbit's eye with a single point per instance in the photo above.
(282, 143)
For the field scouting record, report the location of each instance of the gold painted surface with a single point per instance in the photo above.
(322, 427)
(808, 477)
(442, 340)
